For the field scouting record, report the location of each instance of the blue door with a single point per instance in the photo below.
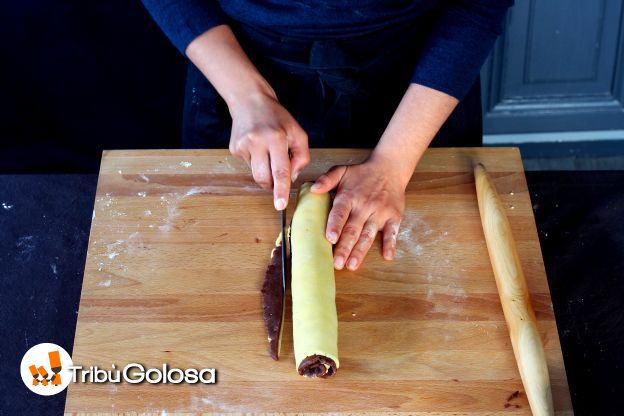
(559, 67)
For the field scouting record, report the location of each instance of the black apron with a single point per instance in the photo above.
(343, 92)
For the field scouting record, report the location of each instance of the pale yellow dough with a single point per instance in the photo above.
(313, 287)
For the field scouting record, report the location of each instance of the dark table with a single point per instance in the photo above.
(44, 230)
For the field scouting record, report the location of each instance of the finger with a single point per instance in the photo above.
(280, 170)
(260, 168)
(337, 217)
(300, 153)
(328, 180)
(348, 237)
(390, 233)
(364, 243)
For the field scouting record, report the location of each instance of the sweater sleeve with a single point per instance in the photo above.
(184, 20)
(459, 44)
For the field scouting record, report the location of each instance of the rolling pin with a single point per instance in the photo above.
(514, 296)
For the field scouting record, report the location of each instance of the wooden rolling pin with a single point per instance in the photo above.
(514, 296)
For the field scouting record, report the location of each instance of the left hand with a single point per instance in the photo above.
(371, 195)
(370, 198)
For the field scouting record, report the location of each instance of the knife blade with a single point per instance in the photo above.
(285, 269)
(283, 248)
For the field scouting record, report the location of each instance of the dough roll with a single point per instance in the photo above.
(313, 287)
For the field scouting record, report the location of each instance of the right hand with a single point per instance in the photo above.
(263, 133)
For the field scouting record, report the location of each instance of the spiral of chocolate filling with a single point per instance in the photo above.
(317, 366)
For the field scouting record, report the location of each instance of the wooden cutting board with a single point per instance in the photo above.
(179, 244)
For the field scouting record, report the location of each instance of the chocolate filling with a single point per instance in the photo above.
(272, 300)
(317, 366)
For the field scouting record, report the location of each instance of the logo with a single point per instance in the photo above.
(135, 373)
(45, 369)
(48, 369)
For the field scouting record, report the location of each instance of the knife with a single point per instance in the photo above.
(283, 248)
(285, 269)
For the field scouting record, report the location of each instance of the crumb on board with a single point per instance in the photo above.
(513, 395)
(510, 398)
(105, 283)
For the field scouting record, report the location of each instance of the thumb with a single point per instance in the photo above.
(300, 153)
(329, 180)
(299, 160)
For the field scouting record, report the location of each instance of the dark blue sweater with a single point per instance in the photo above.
(456, 47)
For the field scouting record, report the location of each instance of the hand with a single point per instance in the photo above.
(370, 198)
(263, 133)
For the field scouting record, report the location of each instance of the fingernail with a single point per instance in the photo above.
(388, 255)
(339, 262)
(294, 177)
(314, 186)
(352, 264)
(332, 237)
(280, 204)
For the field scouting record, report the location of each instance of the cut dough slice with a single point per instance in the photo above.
(272, 300)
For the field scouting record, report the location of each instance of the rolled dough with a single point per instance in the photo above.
(313, 287)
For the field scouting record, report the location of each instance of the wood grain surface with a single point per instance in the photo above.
(179, 243)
